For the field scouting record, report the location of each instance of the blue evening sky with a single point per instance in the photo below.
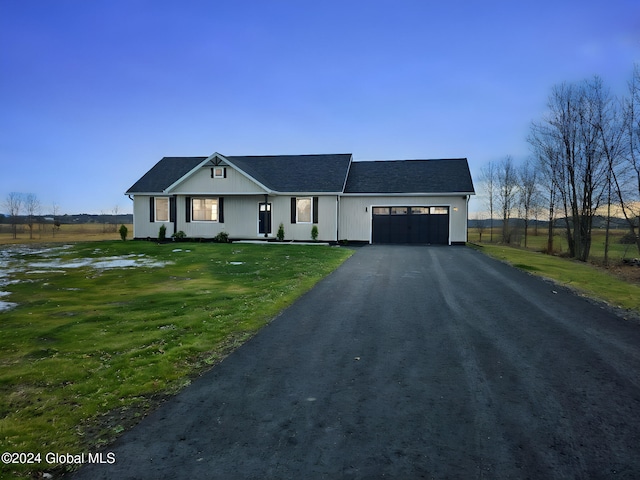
(95, 92)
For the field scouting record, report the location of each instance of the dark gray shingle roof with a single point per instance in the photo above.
(165, 173)
(325, 173)
(410, 176)
(297, 173)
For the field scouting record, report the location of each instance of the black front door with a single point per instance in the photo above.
(264, 219)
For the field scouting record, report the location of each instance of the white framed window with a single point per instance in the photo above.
(218, 172)
(161, 209)
(204, 209)
(303, 210)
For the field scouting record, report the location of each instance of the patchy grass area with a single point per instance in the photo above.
(103, 331)
(583, 277)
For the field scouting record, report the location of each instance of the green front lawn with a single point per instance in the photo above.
(90, 349)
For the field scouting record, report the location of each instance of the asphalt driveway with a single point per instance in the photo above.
(409, 362)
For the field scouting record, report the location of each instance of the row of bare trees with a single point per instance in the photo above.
(17, 204)
(511, 189)
(25, 209)
(586, 156)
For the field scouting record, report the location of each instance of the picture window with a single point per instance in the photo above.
(161, 209)
(204, 209)
(303, 210)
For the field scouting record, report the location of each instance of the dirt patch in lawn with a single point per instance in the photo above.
(627, 272)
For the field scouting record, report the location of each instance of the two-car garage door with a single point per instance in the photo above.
(427, 225)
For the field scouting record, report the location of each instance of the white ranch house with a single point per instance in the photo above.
(248, 197)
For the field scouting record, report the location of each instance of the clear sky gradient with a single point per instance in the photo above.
(93, 93)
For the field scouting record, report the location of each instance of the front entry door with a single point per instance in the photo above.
(264, 219)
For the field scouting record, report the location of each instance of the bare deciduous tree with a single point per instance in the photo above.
(116, 212)
(507, 182)
(32, 207)
(626, 179)
(488, 178)
(547, 163)
(55, 209)
(13, 205)
(609, 124)
(570, 142)
(528, 183)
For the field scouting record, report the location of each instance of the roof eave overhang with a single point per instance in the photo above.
(304, 194)
(407, 194)
(128, 192)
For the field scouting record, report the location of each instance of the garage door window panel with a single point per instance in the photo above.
(381, 210)
(399, 210)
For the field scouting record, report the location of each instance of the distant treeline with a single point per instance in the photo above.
(497, 223)
(71, 219)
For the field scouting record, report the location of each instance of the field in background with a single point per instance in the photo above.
(617, 251)
(80, 232)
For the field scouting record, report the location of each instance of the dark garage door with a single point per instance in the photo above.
(428, 225)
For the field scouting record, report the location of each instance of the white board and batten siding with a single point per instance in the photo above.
(240, 218)
(201, 183)
(301, 232)
(143, 228)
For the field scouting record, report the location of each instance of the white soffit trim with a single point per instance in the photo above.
(307, 194)
(409, 194)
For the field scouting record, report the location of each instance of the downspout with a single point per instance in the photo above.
(133, 217)
(466, 230)
(175, 214)
(266, 200)
(337, 218)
